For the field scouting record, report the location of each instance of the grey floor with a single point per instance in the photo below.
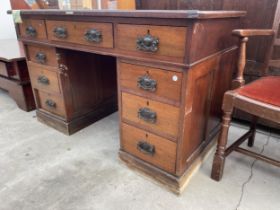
(41, 168)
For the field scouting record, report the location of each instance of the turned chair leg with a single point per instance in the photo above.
(219, 158)
(251, 139)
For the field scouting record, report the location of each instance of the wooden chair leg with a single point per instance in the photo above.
(219, 158)
(251, 139)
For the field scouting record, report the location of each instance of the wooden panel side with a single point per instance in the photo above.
(221, 83)
(212, 36)
(196, 112)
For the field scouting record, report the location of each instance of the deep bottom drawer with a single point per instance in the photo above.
(51, 103)
(148, 147)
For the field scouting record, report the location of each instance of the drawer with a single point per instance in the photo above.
(3, 69)
(151, 82)
(149, 147)
(43, 79)
(42, 55)
(92, 34)
(153, 115)
(150, 41)
(34, 29)
(51, 103)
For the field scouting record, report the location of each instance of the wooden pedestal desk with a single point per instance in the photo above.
(168, 70)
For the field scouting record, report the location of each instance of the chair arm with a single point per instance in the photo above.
(253, 32)
(243, 35)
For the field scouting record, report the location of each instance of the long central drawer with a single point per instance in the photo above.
(93, 34)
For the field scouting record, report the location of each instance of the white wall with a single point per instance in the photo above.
(7, 28)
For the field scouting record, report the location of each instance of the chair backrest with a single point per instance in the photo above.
(275, 61)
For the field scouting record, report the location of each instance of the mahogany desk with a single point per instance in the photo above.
(14, 76)
(168, 70)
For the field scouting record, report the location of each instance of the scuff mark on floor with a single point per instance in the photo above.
(251, 175)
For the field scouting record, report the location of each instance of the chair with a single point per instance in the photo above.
(261, 99)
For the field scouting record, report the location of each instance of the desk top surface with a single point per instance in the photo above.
(11, 50)
(178, 14)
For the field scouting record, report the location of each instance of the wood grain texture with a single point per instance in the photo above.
(235, 99)
(166, 87)
(161, 14)
(205, 86)
(266, 10)
(3, 69)
(77, 30)
(198, 52)
(38, 25)
(200, 5)
(37, 71)
(167, 115)
(41, 100)
(14, 76)
(20, 93)
(91, 88)
(210, 39)
(165, 150)
(49, 52)
(253, 32)
(16, 5)
(171, 40)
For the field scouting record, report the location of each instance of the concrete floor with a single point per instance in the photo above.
(41, 168)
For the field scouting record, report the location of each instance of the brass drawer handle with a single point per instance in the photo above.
(41, 57)
(147, 115)
(50, 103)
(43, 80)
(147, 83)
(146, 148)
(30, 31)
(93, 35)
(60, 32)
(147, 43)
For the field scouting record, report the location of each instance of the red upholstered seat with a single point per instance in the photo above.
(266, 90)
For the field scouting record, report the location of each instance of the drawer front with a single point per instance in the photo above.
(150, 148)
(33, 29)
(92, 34)
(153, 115)
(151, 82)
(42, 55)
(51, 103)
(3, 69)
(150, 41)
(43, 78)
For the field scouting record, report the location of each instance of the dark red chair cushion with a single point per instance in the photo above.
(266, 90)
